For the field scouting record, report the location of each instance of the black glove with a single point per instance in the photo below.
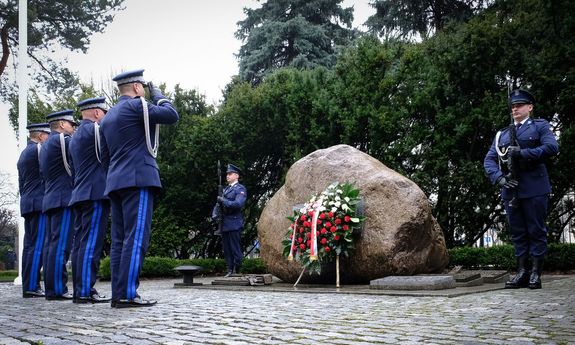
(507, 183)
(155, 93)
(514, 151)
(221, 199)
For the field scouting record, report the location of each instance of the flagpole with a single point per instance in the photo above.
(22, 77)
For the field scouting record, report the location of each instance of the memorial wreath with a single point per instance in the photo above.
(324, 228)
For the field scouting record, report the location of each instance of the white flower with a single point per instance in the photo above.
(331, 203)
(339, 191)
(346, 199)
(321, 208)
(333, 209)
(345, 207)
(337, 198)
(337, 204)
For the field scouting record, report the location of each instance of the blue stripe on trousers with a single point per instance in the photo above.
(62, 242)
(137, 245)
(89, 251)
(37, 253)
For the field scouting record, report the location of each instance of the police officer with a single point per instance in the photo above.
(31, 188)
(57, 174)
(232, 202)
(130, 133)
(536, 143)
(91, 208)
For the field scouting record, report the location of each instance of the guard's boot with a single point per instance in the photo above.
(521, 279)
(230, 273)
(238, 269)
(535, 279)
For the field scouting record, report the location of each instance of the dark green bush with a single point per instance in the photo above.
(560, 257)
(164, 267)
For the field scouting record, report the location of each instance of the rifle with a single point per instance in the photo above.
(218, 214)
(511, 164)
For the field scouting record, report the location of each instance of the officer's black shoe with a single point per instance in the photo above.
(64, 297)
(133, 303)
(95, 298)
(229, 274)
(33, 294)
(521, 279)
(535, 279)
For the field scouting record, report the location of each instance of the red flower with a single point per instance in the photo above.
(337, 221)
(308, 235)
(317, 232)
(333, 229)
(300, 230)
(327, 249)
(290, 236)
(294, 247)
(300, 240)
(302, 246)
(330, 215)
(345, 227)
(303, 217)
(319, 221)
(347, 219)
(336, 237)
(324, 240)
(310, 213)
(327, 224)
(322, 216)
(308, 243)
(323, 231)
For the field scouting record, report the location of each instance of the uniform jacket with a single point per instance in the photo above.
(30, 181)
(89, 175)
(57, 183)
(235, 198)
(537, 144)
(124, 152)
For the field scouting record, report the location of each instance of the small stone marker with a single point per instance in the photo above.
(245, 280)
(413, 283)
(188, 272)
(495, 276)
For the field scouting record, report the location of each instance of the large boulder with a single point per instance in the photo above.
(400, 236)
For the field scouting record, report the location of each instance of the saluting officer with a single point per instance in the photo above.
(232, 202)
(531, 189)
(57, 174)
(130, 133)
(31, 188)
(91, 207)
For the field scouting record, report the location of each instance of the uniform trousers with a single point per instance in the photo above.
(232, 249)
(131, 223)
(90, 226)
(59, 235)
(527, 223)
(34, 234)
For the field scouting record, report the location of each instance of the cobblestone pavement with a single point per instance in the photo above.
(208, 316)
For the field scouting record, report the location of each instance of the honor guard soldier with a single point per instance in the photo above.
(529, 188)
(91, 207)
(130, 133)
(232, 201)
(57, 174)
(31, 188)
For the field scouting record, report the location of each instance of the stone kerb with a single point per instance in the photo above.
(400, 236)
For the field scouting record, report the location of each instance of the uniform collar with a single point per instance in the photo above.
(524, 121)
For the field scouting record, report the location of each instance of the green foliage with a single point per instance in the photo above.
(559, 257)
(297, 33)
(155, 267)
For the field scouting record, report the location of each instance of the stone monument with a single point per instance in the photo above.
(400, 235)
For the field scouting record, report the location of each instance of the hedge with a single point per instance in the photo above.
(154, 267)
(560, 257)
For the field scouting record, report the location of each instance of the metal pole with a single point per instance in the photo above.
(22, 77)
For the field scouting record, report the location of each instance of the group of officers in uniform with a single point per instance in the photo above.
(73, 176)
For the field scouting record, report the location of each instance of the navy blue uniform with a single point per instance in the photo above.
(59, 225)
(527, 222)
(132, 177)
(31, 188)
(233, 224)
(91, 209)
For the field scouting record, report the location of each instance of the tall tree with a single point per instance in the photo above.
(65, 23)
(298, 33)
(419, 18)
